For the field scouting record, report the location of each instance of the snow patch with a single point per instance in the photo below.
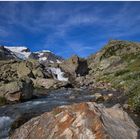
(59, 73)
(51, 61)
(40, 54)
(58, 61)
(42, 58)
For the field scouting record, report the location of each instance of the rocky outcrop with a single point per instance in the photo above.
(12, 70)
(79, 121)
(23, 70)
(49, 83)
(117, 66)
(17, 90)
(75, 66)
(16, 79)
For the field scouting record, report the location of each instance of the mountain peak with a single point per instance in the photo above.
(22, 52)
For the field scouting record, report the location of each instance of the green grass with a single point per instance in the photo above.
(134, 96)
(132, 56)
(121, 72)
(135, 66)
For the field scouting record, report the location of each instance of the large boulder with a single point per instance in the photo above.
(38, 73)
(48, 83)
(8, 70)
(79, 121)
(75, 66)
(24, 70)
(17, 90)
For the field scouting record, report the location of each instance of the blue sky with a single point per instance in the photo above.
(68, 28)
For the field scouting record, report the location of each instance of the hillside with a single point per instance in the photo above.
(118, 64)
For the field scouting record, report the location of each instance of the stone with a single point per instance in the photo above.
(17, 90)
(38, 73)
(98, 95)
(79, 121)
(23, 70)
(49, 83)
(75, 66)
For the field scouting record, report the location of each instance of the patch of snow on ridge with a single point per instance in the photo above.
(19, 51)
(59, 73)
(5, 123)
(51, 62)
(58, 61)
(42, 59)
(40, 54)
(43, 51)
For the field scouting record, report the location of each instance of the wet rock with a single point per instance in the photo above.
(79, 121)
(99, 97)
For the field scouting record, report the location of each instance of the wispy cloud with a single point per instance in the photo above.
(51, 23)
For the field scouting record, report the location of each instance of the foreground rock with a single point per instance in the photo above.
(84, 120)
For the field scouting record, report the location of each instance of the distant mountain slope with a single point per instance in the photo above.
(22, 52)
(46, 56)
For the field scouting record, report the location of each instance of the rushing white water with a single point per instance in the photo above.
(5, 123)
(59, 73)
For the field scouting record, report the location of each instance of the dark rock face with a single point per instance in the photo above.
(75, 66)
(79, 121)
(34, 56)
(6, 54)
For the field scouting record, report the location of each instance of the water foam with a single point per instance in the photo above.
(5, 123)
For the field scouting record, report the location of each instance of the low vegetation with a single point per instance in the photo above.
(2, 101)
(134, 95)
